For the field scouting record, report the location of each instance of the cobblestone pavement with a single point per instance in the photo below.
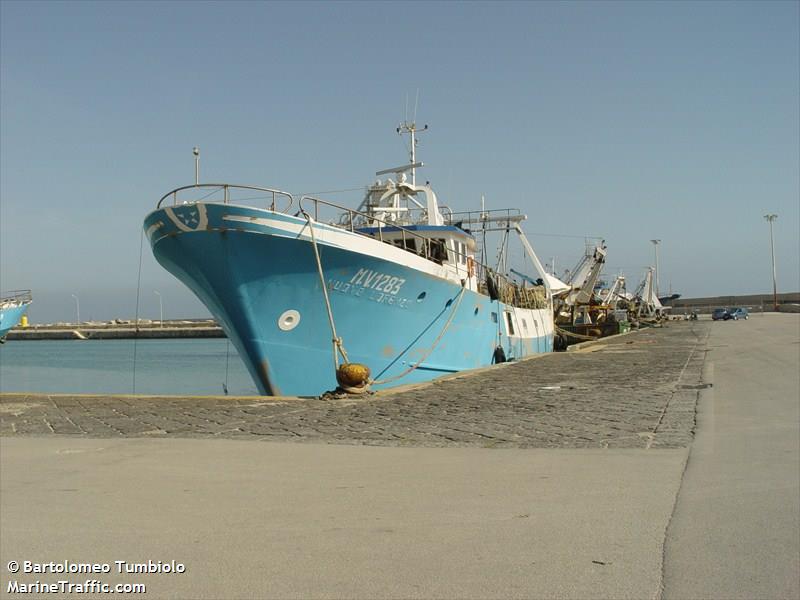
(631, 391)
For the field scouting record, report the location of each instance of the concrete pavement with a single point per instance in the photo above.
(736, 529)
(272, 520)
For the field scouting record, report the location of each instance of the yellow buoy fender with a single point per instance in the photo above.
(352, 375)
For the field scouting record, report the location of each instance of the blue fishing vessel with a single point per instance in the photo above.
(400, 284)
(13, 306)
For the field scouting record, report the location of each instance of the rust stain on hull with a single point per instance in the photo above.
(263, 374)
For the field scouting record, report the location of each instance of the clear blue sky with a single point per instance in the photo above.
(631, 120)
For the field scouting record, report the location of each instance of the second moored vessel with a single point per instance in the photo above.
(13, 306)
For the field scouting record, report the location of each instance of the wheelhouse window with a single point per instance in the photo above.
(409, 244)
(448, 249)
(438, 251)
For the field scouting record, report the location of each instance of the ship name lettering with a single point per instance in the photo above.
(382, 298)
(377, 281)
(345, 288)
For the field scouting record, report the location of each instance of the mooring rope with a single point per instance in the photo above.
(227, 357)
(574, 335)
(338, 344)
(433, 346)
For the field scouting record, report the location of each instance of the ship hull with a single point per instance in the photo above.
(257, 273)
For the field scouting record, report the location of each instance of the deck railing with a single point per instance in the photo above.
(478, 216)
(509, 291)
(352, 219)
(15, 297)
(228, 191)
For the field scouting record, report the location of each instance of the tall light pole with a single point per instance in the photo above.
(196, 152)
(770, 218)
(160, 307)
(655, 246)
(77, 307)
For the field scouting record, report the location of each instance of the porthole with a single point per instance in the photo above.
(289, 320)
(421, 297)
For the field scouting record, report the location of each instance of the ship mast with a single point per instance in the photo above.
(411, 129)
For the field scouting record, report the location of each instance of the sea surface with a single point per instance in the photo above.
(163, 366)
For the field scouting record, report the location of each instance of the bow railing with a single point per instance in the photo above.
(15, 297)
(231, 194)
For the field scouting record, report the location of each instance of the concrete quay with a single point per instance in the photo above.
(614, 471)
(630, 391)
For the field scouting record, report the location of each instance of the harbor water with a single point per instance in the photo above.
(161, 366)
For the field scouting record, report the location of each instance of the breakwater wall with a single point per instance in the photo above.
(787, 302)
(118, 330)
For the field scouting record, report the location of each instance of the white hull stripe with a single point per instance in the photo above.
(153, 228)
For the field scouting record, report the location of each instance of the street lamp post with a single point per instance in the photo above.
(771, 218)
(77, 308)
(196, 152)
(160, 308)
(655, 246)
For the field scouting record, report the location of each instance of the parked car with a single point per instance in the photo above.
(738, 313)
(720, 314)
